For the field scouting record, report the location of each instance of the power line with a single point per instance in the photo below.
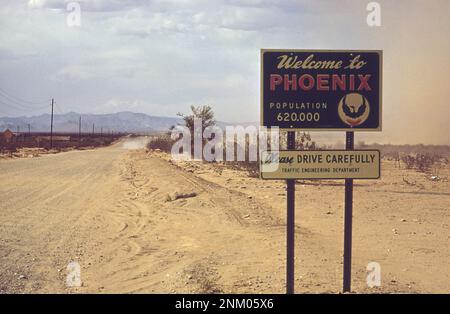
(58, 108)
(16, 108)
(14, 101)
(21, 100)
(19, 104)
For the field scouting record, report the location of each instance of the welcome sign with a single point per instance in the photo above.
(321, 89)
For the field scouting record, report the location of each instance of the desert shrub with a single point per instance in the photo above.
(409, 161)
(304, 142)
(162, 142)
(252, 167)
(420, 162)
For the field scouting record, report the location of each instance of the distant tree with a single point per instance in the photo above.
(205, 114)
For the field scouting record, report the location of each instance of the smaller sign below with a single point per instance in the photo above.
(320, 164)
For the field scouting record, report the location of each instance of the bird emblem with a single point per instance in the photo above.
(353, 109)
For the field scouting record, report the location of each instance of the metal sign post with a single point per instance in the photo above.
(348, 217)
(290, 224)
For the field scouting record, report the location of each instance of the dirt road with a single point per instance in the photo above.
(136, 222)
(107, 209)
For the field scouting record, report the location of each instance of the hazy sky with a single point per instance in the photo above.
(161, 56)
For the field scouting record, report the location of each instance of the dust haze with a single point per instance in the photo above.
(135, 142)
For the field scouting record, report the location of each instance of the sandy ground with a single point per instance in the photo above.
(115, 211)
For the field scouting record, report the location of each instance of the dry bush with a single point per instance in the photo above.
(252, 167)
(162, 142)
(409, 161)
(421, 162)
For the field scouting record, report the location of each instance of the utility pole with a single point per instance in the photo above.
(79, 131)
(29, 129)
(51, 127)
(79, 127)
(93, 129)
(101, 132)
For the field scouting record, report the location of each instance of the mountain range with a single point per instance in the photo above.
(126, 121)
(68, 122)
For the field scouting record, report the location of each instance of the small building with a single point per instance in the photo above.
(7, 136)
